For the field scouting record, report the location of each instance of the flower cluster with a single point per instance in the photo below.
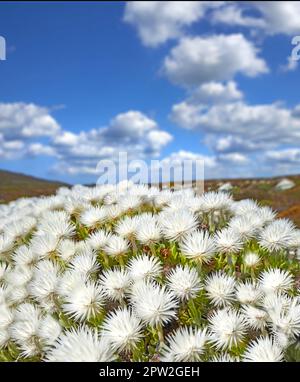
(132, 273)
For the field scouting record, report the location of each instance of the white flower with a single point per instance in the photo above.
(244, 207)
(56, 222)
(187, 344)
(115, 283)
(277, 235)
(19, 276)
(44, 245)
(263, 350)
(27, 312)
(16, 295)
(81, 345)
(116, 246)
(266, 214)
(220, 288)
(228, 328)
(130, 202)
(4, 337)
(6, 316)
(6, 244)
(127, 227)
(24, 333)
(49, 330)
(224, 357)
(251, 259)
(245, 225)
(24, 256)
(85, 264)
(43, 285)
(275, 280)
(248, 293)
(68, 281)
(94, 217)
(176, 224)
(184, 282)
(274, 302)
(66, 249)
(153, 304)
(144, 267)
(255, 318)
(123, 329)
(4, 269)
(148, 229)
(84, 301)
(228, 241)
(216, 201)
(287, 321)
(98, 239)
(198, 246)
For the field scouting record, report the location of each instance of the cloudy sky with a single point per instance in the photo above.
(160, 80)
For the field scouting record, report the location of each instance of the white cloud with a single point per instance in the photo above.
(20, 124)
(215, 92)
(26, 121)
(269, 123)
(197, 60)
(274, 17)
(159, 21)
(132, 132)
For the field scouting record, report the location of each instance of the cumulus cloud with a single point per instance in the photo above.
(132, 132)
(158, 21)
(20, 124)
(274, 17)
(196, 60)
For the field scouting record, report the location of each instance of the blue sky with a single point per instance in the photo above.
(83, 81)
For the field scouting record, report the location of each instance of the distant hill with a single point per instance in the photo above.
(287, 202)
(14, 185)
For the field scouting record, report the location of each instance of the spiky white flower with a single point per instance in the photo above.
(98, 239)
(6, 316)
(44, 245)
(49, 330)
(275, 280)
(148, 230)
(94, 217)
(263, 349)
(130, 202)
(176, 224)
(84, 301)
(277, 235)
(66, 249)
(220, 288)
(19, 276)
(244, 207)
(25, 256)
(144, 267)
(69, 281)
(184, 282)
(248, 293)
(153, 304)
(4, 269)
(255, 318)
(198, 246)
(228, 241)
(224, 357)
(127, 227)
(43, 285)
(116, 246)
(216, 201)
(245, 225)
(81, 345)
(86, 264)
(123, 329)
(228, 328)
(251, 259)
(187, 344)
(115, 283)
(287, 321)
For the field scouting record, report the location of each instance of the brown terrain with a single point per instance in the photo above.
(14, 186)
(287, 202)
